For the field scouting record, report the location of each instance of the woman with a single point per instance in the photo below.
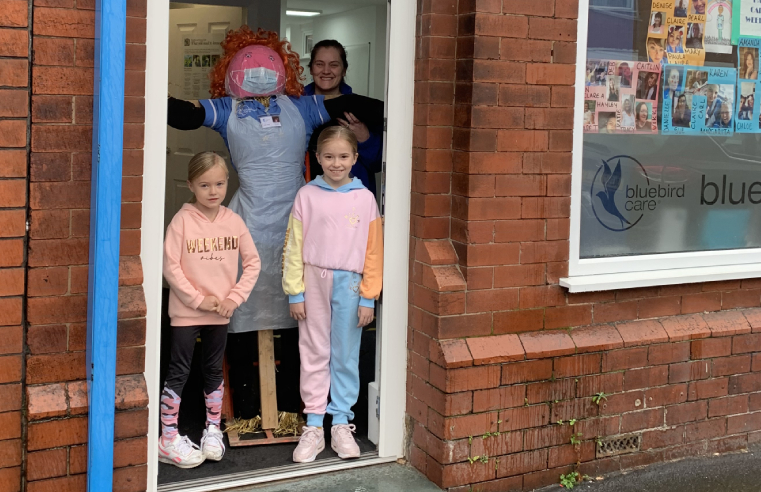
(749, 66)
(680, 10)
(655, 27)
(612, 90)
(674, 44)
(648, 87)
(674, 84)
(699, 7)
(655, 51)
(327, 66)
(681, 115)
(642, 124)
(627, 116)
(694, 36)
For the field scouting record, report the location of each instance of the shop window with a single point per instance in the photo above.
(664, 189)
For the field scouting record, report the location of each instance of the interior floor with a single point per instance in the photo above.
(243, 384)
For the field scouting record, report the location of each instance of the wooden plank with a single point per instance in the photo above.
(227, 399)
(267, 379)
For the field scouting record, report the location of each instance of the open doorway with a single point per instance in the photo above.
(195, 31)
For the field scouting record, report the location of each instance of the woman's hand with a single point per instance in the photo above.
(226, 308)
(365, 316)
(298, 312)
(353, 124)
(209, 303)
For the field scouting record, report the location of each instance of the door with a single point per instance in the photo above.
(194, 36)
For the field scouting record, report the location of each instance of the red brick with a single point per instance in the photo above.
(12, 191)
(727, 366)
(550, 74)
(10, 400)
(743, 344)
(456, 353)
(47, 339)
(709, 429)
(470, 425)
(681, 328)
(581, 365)
(562, 389)
(741, 298)
(753, 316)
(567, 316)
(525, 50)
(14, 42)
(495, 349)
(10, 479)
(686, 412)
(491, 300)
(605, 383)
(14, 73)
(521, 141)
(55, 367)
(646, 377)
(553, 29)
(499, 71)
(744, 423)
(668, 353)
(641, 333)
(471, 378)
(574, 409)
(522, 463)
(616, 360)
(646, 419)
(666, 395)
(550, 295)
(593, 339)
(15, 103)
(698, 303)
(662, 438)
(12, 163)
(710, 348)
(745, 383)
(720, 407)
(707, 388)
(659, 306)
(10, 311)
(10, 369)
(689, 371)
(518, 321)
(10, 339)
(498, 398)
(547, 344)
(727, 323)
(10, 453)
(523, 372)
(14, 13)
(543, 437)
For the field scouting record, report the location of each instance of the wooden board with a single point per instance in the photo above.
(267, 379)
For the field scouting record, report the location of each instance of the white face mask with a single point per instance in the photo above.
(260, 80)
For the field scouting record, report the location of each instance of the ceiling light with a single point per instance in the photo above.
(303, 13)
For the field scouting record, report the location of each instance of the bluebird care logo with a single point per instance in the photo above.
(622, 193)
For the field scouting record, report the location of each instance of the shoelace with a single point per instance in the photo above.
(310, 434)
(185, 446)
(214, 435)
(345, 431)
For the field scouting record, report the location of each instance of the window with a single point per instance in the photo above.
(650, 207)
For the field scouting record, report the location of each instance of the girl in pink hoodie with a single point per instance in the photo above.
(204, 244)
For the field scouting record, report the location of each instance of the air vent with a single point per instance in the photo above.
(613, 446)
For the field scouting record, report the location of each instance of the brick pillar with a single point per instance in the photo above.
(14, 124)
(60, 170)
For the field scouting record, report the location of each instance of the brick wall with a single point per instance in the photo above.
(490, 225)
(46, 87)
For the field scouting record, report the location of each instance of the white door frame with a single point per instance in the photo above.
(393, 356)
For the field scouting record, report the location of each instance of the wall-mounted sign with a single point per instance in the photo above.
(698, 100)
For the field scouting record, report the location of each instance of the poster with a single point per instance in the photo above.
(200, 54)
(676, 31)
(621, 96)
(748, 86)
(698, 100)
(746, 19)
(718, 35)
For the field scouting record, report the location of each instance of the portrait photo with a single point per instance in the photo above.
(613, 88)
(656, 22)
(624, 71)
(673, 80)
(589, 111)
(698, 7)
(607, 122)
(748, 63)
(655, 50)
(675, 39)
(747, 101)
(643, 116)
(647, 85)
(681, 111)
(696, 79)
(627, 112)
(694, 35)
(680, 8)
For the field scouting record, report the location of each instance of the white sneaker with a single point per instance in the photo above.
(311, 443)
(181, 452)
(213, 443)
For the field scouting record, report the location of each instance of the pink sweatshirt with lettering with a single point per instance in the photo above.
(201, 259)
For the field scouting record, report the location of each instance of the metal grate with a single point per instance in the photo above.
(613, 446)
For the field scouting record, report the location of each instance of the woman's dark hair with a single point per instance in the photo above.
(329, 43)
(639, 107)
(658, 16)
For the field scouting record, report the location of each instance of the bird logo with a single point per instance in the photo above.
(605, 184)
(610, 182)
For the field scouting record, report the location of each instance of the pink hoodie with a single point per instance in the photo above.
(201, 259)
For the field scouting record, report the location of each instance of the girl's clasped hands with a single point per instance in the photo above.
(212, 304)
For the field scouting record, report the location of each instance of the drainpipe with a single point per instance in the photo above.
(105, 222)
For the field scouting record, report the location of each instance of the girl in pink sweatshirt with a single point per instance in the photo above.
(204, 244)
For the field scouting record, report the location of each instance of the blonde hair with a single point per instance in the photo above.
(203, 162)
(337, 133)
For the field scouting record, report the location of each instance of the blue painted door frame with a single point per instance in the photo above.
(105, 221)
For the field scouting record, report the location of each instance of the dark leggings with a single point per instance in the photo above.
(213, 341)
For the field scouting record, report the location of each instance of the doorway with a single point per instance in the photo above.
(193, 31)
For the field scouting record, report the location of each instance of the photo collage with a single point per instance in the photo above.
(676, 32)
(747, 115)
(698, 100)
(621, 97)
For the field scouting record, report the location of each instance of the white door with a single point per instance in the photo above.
(194, 36)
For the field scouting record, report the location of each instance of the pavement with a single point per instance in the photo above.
(739, 472)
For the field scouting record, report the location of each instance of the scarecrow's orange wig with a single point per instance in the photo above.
(236, 40)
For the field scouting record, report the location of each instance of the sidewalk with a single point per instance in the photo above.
(737, 472)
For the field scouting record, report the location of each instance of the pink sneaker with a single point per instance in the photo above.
(311, 443)
(342, 441)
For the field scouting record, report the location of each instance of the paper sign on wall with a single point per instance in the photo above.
(621, 97)
(677, 29)
(748, 85)
(698, 100)
(200, 54)
(718, 26)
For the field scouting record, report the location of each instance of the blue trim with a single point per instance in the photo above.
(105, 215)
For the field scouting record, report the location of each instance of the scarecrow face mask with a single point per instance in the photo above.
(255, 71)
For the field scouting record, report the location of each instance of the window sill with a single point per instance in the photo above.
(615, 281)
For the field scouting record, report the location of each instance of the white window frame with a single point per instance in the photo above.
(621, 272)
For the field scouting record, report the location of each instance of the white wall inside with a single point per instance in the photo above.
(354, 29)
